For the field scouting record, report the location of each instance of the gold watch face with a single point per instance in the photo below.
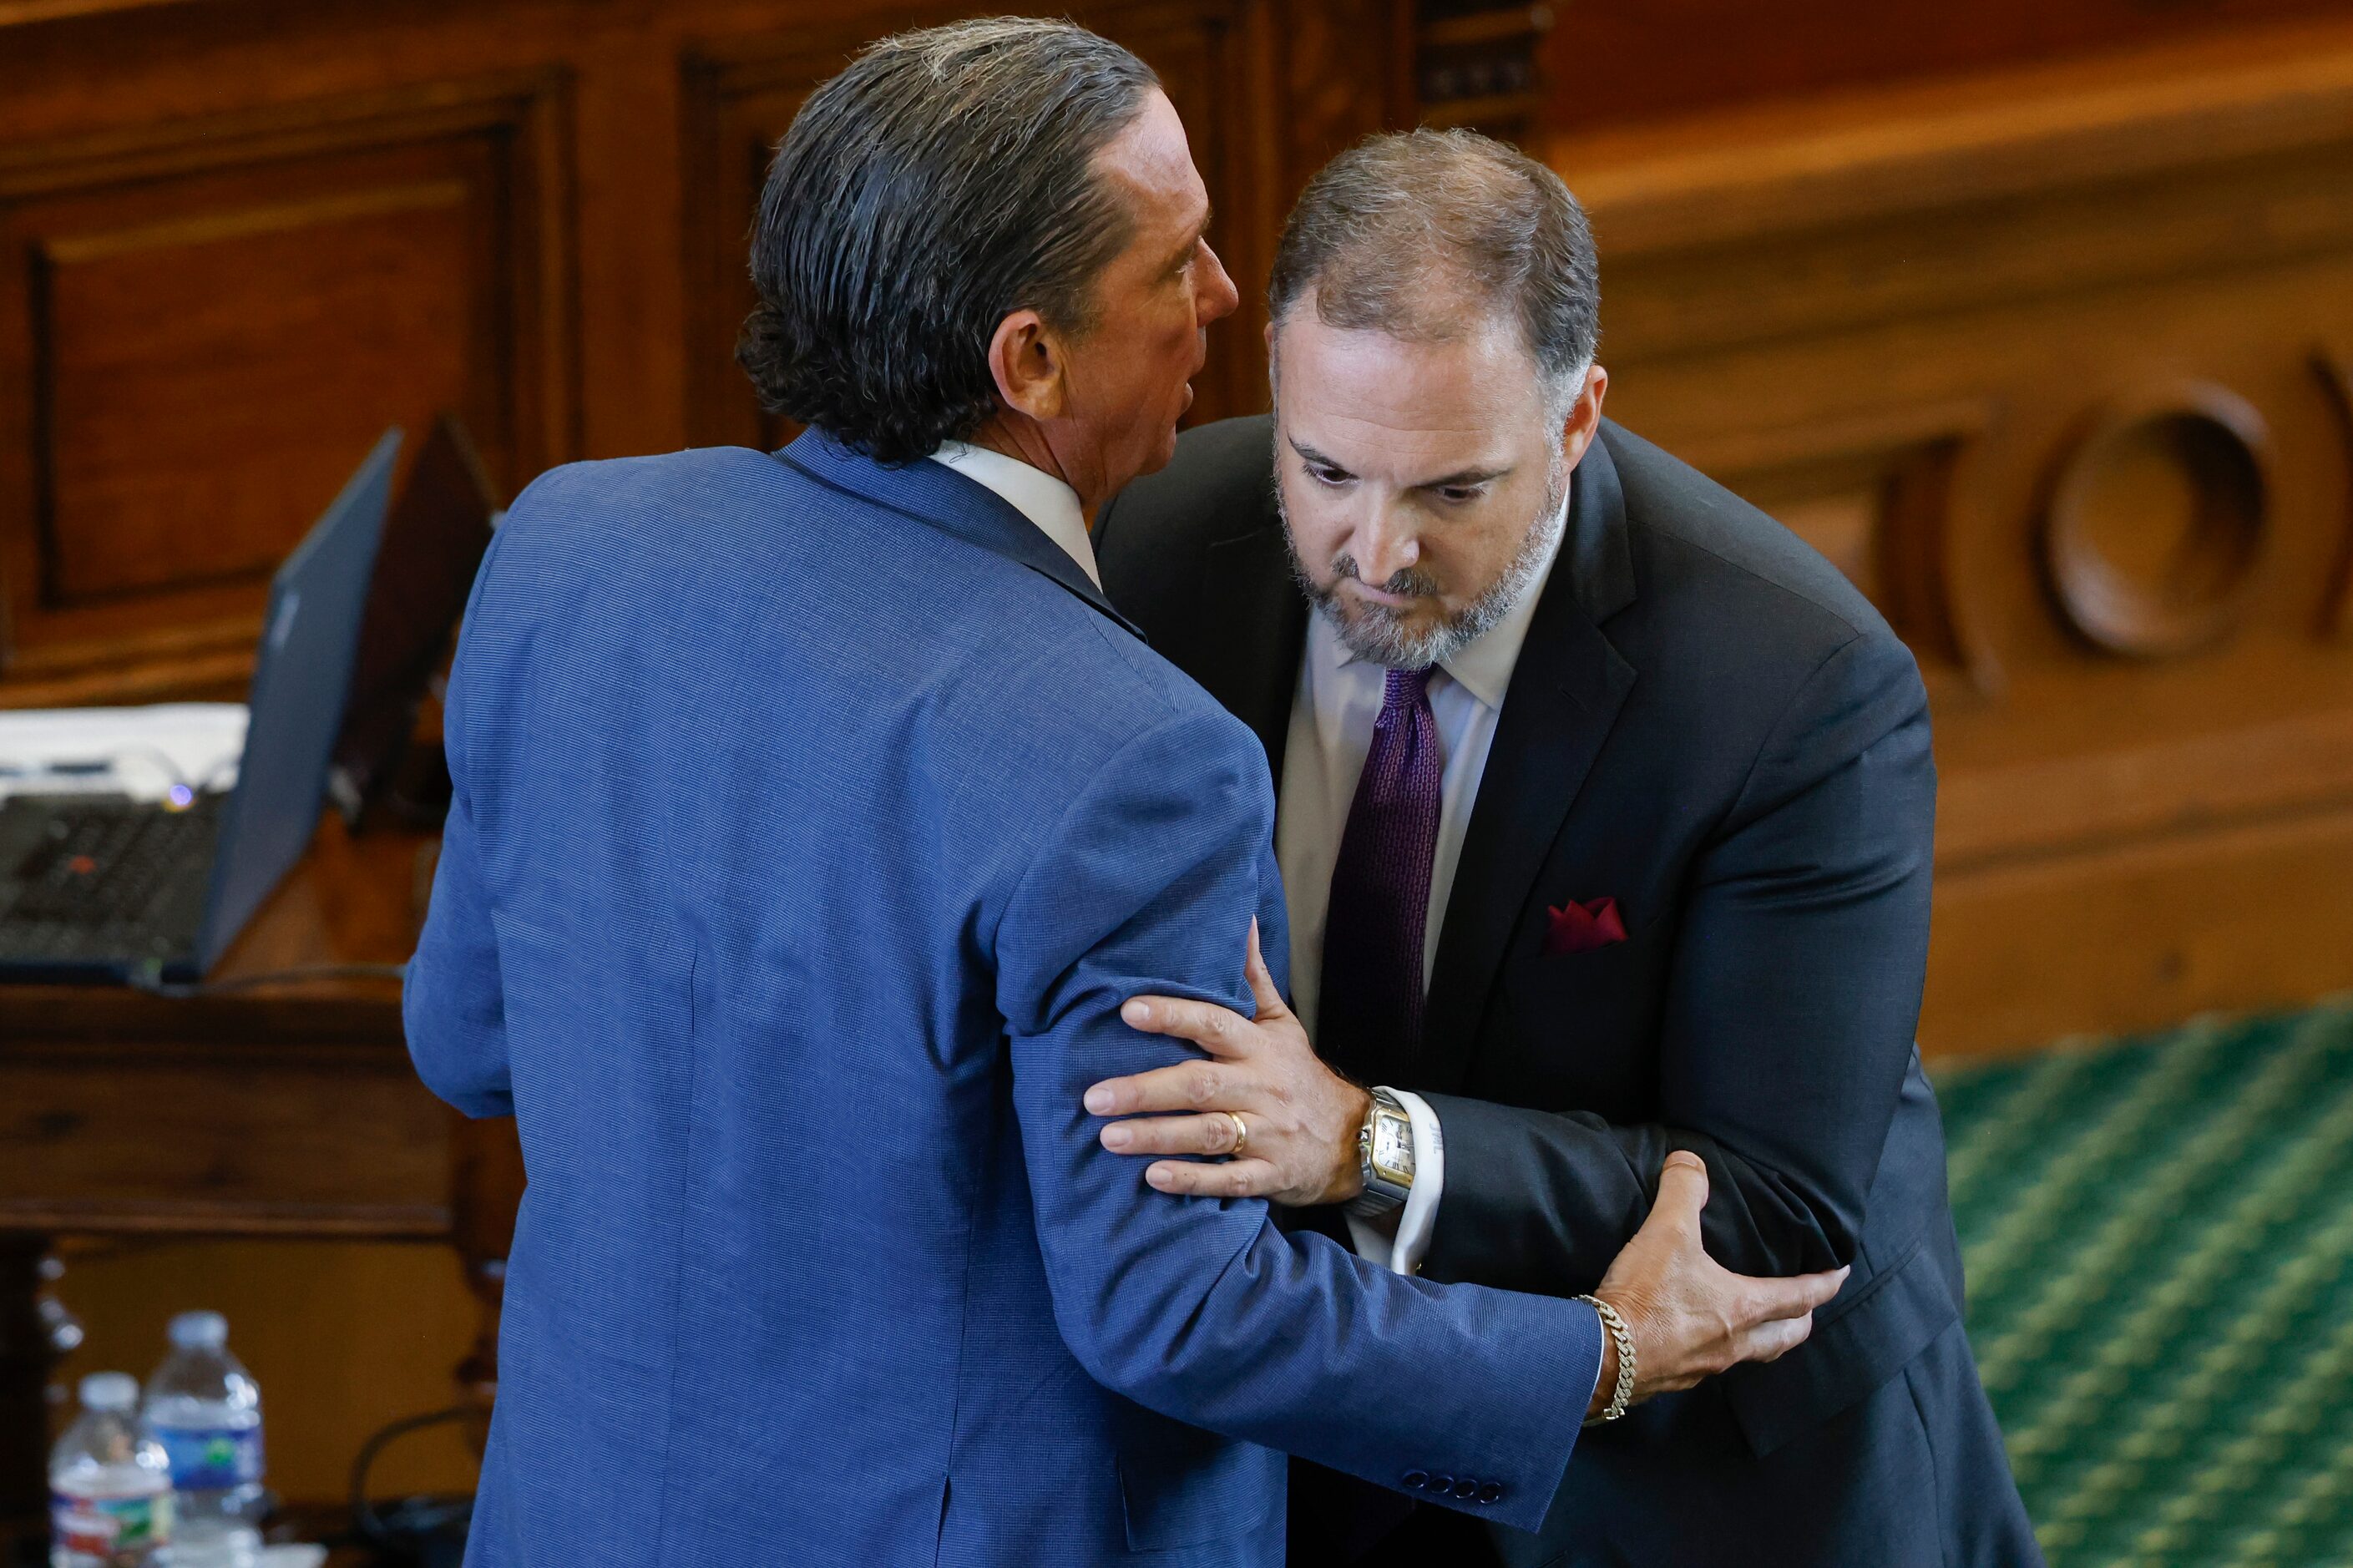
(1393, 1148)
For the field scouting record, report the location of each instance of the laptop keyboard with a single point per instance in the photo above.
(102, 864)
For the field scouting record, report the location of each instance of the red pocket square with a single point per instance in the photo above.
(1581, 926)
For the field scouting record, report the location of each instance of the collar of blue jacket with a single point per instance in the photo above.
(940, 498)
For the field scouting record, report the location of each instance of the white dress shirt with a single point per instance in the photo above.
(1331, 713)
(1036, 494)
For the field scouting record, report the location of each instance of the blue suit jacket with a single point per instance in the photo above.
(813, 820)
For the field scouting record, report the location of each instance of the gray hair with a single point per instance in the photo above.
(940, 183)
(1423, 234)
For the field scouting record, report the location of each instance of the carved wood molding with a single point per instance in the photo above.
(1878, 207)
(17, 12)
(1886, 496)
(529, 102)
(2159, 518)
(2336, 372)
(2032, 810)
(1925, 147)
(115, 1126)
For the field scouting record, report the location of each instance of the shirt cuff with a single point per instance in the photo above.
(1417, 1223)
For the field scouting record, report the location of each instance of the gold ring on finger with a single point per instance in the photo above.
(1242, 1131)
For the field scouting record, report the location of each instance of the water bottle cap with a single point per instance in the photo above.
(198, 1331)
(109, 1391)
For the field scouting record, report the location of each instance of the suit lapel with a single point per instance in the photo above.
(1250, 637)
(1565, 695)
(933, 493)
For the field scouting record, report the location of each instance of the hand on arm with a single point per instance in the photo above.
(1140, 889)
(1689, 1317)
(1786, 1025)
(1299, 1118)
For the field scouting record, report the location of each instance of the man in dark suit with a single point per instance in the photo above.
(1605, 809)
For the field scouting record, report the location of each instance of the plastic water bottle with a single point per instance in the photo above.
(205, 1408)
(110, 1485)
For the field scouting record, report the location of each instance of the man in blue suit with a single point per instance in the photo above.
(815, 816)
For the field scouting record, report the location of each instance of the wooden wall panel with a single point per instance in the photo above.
(1617, 62)
(157, 408)
(209, 324)
(2050, 367)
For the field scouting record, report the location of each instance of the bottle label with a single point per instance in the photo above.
(110, 1526)
(211, 1459)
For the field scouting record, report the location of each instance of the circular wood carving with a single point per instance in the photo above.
(2159, 521)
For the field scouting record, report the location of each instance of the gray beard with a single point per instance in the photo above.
(1377, 633)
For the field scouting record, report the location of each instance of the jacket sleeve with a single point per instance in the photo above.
(452, 1003)
(1200, 1309)
(1793, 994)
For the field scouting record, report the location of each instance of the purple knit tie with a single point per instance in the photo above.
(1371, 1000)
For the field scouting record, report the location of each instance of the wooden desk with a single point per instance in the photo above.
(288, 1110)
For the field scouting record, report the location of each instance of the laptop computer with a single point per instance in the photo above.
(107, 888)
(434, 538)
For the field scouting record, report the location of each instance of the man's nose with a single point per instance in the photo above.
(1384, 546)
(1219, 295)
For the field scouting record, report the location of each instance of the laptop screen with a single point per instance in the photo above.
(300, 676)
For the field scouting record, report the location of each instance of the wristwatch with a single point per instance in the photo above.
(1384, 1157)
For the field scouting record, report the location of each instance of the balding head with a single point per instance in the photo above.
(1427, 235)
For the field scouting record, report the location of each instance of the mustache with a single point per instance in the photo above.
(1408, 583)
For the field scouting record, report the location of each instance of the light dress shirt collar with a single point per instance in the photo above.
(1037, 495)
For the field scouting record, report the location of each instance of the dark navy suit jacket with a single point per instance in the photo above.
(1709, 725)
(813, 820)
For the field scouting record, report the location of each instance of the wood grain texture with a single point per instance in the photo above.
(2334, 369)
(1969, 284)
(1620, 63)
(212, 321)
(283, 1110)
(2243, 916)
(16, 12)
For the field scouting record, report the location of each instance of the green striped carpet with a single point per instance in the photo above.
(2159, 1241)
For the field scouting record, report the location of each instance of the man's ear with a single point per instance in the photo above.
(1584, 416)
(1025, 358)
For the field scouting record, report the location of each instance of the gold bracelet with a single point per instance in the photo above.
(1624, 1392)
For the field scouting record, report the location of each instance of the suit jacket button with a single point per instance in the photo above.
(1491, 1492)
(1466, 1488)
(1441, 1485)
(1417, 1479)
